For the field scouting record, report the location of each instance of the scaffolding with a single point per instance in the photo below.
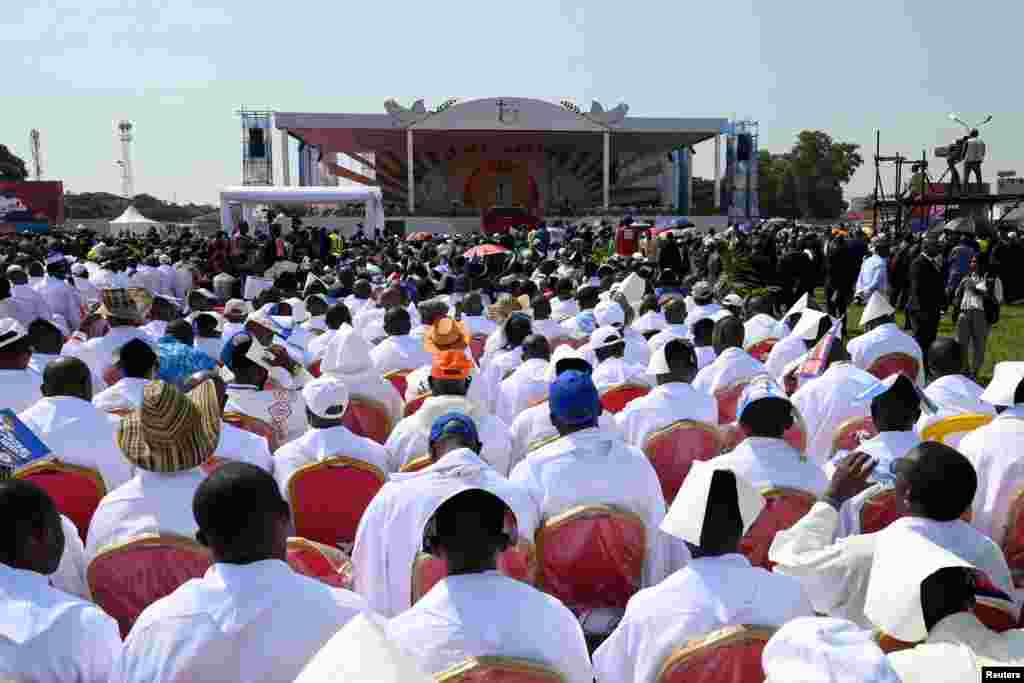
(257, 146)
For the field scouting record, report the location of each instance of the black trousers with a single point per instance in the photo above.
(925, 325)
(972, 167)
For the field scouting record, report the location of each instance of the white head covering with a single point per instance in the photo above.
(685, 519)
(609, 313)
(324, 393)
(561, 353)
(361, 653)
(1005, 378)
(11, 331)
(799, 307)
(348, 353)
(807, 328)
(877, 307)
(299, 314)
(658, 364)
(822, 650)
(605, 336)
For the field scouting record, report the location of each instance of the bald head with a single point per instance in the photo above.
(728, 334)
(675, 311)
(945, 357)
(67, 376)
(536, 346)
(473, 304)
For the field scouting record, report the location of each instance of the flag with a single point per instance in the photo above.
(817, 359)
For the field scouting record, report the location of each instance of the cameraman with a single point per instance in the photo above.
(974, 154)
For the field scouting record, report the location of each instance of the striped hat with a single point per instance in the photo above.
(171, 431)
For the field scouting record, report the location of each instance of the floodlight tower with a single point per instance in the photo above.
(37, 156)
(124, 129)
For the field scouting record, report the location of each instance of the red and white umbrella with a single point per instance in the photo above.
(486, 250)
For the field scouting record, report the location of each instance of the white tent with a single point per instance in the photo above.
(370, 196)
(133, 221)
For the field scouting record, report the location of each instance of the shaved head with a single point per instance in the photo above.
(67, 376)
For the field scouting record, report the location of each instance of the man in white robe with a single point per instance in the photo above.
(675, 327)
(61, 298)
(348, 358)
(820, 650)
(703, 304)
(717, 588)
(473, 316)
(29, 300)
(883, 336)
(528, 384)
(89, 292)
(611, 314)
(398, 351)
(361, 651)
(233, 443)
(563, 304)
(390, 533)
(952, 392)
(21, 385)
(122, 315)
(651, 319)
(137, 364)
(792, 348)
(250, 617)
(543, 323)
(733, 365)
(613, 369)
(759, 325)
(361, 297)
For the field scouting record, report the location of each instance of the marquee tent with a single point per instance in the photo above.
(370, 196)
(133, 221)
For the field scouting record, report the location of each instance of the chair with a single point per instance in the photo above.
(673, 449)
(76, 491)
(732, 436)
(618, 397)
(558, 341)
(727, 400)
(796, 436)
(329, 497)
(253, 425)
(499, 670)
(398, 379)
(1013, 541)
(591, 556)
(728, 655)
(761, 349)
(783, 508)
(416, 464)
(880, 510)
(127, 577)
(541, 442)
(412, 406)
(849, 435)
(368, 417)
(950, 430)
(314, 369)
(519, 562)
(476, 346)
(891, 363)
(320, 562)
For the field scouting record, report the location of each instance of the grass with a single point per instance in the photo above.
(1004, 340)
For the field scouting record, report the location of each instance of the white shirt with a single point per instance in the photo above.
(994, 450)
(785, 351)
(32, 302)
(884, 339)
(651, 321)
(772, 463)
(708, 594)
(149, 503)
(317, 445)
(734, 365)
(479, 325)
(760, 327)
(78, 433)
(873, 277)
(533, 426)
(70, 574)
(283, 409)
(253, 622)
(885, 448)
(953, 395)
(956, 650)
(62, 299)
(667, 334)
(827, 402)
(316, 349)
(457, 619)
(613, 372)
(125, 395)
(390, 533)
(400, 353)
(705, 356)
(662, 406)
(48, 636)
(242, 446)
(21, 389)
(701, 312)
(98, 353)
(524, 387)
(370, 384)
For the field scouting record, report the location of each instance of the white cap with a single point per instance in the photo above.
(1005, 378)
(609, 313)
(348, 353)
(903, 559)
(11, 331)
(732, 300)
(260, 355)
(299, 314)
(633, 288)
(799, 307)
(685, 519)
(759, 388)
(878, 306)
(361, 653)
(807, 328)
(562, 352)
(605, 336)
(824, 650)
(325, 393)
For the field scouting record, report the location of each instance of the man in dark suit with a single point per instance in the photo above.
(927, 297)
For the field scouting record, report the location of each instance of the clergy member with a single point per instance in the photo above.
(883, 336)
(951, 390)
(21, 386)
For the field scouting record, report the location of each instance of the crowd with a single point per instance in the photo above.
(277, 457)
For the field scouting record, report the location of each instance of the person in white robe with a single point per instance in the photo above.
(348, 358)
(823, 650)
(13, 307)
(952, 392)
(733, 365)
(326, 401)
(527, 385)
(390, 532)
(87, 291)
(717, 588)
(122, 314)
(70, 574)
(61, 298)
(939, 485)
(250, 617)
(398, 351)
(75, 430)
(31, 301)
(502, 362)
(675, 326)
(703, 332)
(46, 634)
(361, 297)
(703, 304)
(475, 611)
(21, 385)
(563, 304)
(613, 369)
(651, 319)
(473, 316)
(883, 336)
(764, 458)
(611, 314)
(673, 367)
(137, 364)
(792, 349)
(543, 322)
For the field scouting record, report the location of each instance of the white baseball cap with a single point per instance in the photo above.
(604, 337)
(325, 393)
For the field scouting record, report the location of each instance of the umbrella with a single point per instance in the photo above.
(961, 224)
(419, 237)
(485, 250)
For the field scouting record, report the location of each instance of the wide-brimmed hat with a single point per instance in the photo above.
(506, 306)
(446, 334)
(118, 303)
(172, 431)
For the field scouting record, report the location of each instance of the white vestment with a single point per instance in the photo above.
(400, 353)
(526, 386)
(732, 366)
(98, 353)
(125, 395)
(667, 334)
(317, 445)
(63, 300)
(828, 401)
(772, 463)
(533, 426)
(613, 372)
(21, 389)
(662, 406)
(699, 312)
(785, 351)
(995, 452)
(283, 409)
(651, 321)
(885, 448)
(242, 446)
(885, 339)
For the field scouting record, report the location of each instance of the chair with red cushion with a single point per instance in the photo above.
(129, 577)
(112, 375)
(329, 497)
(849, 435)
(796, 436)
(367, 417)
(558, 341)
(762, 349)
(499, 670)
(76, 491)
(398, 379)
(314, 368)
(618, 397)
(412, 406)
(880, 510)
(728, 655)
(320, 562)
(732, 436)
(728, 399)
(673, 449)
(892, 363)
(591, 557)
(993, 607)
(1013, 541)
(476, 346)
(253, 425)
(783, 508)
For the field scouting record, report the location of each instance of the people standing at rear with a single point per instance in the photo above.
(977, 297)
(927, 294)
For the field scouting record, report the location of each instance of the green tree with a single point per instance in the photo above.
(807, 181)
(11, 166)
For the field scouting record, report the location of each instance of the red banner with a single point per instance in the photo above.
(32, 202)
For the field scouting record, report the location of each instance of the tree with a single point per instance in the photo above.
(11, 166)
(807, 181)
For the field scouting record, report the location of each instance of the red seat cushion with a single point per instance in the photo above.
(367, 418)
(1013, 542)
(328, 498)
(762, 349)
(398, 380)
(412, 406)
(314, 560)
(617, 398)
(783, 508)
(727, 400)
(253, 425)
(499, 670)
(731, 655)
(516, 562)
(673, 449)
(881, 510)
(892, 363)
(76, 491)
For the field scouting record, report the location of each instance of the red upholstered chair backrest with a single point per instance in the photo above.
(616, 398)
(253, 425)
(880, 510)
(891, 363)
(727, 399)
(398, 379)
(499, 670)
(591, 556)
(732, 436)
(321, 562)
(728, 655)
(783, 508)
(111, 375)
(673, 449)
(1013, 541)
(849, 434)
(412, 406)
(762, 349)
(555, 342)
(476, 346)
(369, 418)
(76, 491)
(329, 497)
(796, 436)
(127, 578)
(314, 369)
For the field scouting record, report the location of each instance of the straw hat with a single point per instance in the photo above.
(118, 303)
(171, 431)
(446, 335)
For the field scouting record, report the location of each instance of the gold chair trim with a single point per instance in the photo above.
(508, 663)
(51, 463)
(720, 638)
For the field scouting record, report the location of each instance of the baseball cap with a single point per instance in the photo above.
(451, 365)
(11, 331)
(574, 399)
(609, 313)
(326, 397)
(452, 423)
(604, 337)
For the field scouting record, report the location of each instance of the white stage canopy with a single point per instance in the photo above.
(370, 196)
(134, 222)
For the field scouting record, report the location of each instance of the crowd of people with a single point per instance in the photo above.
(540, 458)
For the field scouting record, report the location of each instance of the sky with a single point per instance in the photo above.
(179, 69)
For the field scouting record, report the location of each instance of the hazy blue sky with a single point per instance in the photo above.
(180, 68)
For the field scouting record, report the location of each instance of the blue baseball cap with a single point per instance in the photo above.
(452, 423)
(574, 399)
